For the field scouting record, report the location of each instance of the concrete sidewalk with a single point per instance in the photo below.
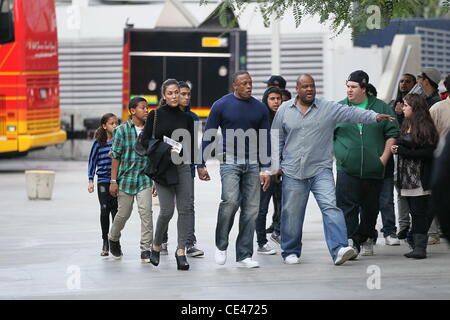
(51, 250)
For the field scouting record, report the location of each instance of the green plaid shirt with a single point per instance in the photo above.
(131, 177)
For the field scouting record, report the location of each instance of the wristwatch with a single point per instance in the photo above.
(113, 181)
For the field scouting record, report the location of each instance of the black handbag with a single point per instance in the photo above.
(139, 147)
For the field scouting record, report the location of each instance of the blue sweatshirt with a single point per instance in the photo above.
(99, 159)
(231, 113)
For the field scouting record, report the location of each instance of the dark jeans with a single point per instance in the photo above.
(420, 215)
(387, 210)
(359, 200)
(275, 192)
(108, 204)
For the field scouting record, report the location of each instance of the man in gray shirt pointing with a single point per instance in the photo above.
(302, 152)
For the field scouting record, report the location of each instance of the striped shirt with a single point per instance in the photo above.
(99, 159)
(130, 177)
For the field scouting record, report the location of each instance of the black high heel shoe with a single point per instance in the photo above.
(182, 263)
(154, 257)
(105, 249)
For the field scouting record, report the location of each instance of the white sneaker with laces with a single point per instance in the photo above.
(248, 263)
(220, 256)
(266, 249)
(367, 248)
(344, 254)
(292, 259)
(391, 241)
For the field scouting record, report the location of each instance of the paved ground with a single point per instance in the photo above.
(46, 244)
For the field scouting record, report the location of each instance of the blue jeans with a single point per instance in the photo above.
(240, 188)
(294, 199)
(387, 210)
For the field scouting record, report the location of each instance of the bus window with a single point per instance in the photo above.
(6, 21)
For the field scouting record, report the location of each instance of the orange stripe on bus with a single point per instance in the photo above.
(13, 98)
(30, 73)
(8, 54)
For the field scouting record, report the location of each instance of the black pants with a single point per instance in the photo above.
(108, 204)
(421, 216)
(274, 192)
(358, 199)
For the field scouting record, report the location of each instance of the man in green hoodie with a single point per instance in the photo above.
(362, 151)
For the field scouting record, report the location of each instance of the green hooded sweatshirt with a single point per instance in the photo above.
(358, 151)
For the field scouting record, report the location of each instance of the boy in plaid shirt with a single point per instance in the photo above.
(128, 180)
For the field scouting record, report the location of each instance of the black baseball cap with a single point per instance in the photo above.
(276, 81)
(359, 76)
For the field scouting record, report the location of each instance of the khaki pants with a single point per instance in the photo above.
(125, 202)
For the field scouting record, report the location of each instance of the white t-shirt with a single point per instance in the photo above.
(138, 130)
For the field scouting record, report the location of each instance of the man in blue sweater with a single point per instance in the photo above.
(242, 119)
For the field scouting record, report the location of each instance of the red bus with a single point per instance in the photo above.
(29, 77)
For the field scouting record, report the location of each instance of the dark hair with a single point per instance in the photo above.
(371, 90)
(184, 84)
(100, 134)
(168, 82)
(237, 74)
(134, 102)
(447, 83)
(286, 93)
(421, 125)
(268, 92)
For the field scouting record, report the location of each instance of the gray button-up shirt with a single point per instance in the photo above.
(306, 140)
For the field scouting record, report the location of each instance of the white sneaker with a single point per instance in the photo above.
(292, 259)
(367, 248)
(220, 256)
(266, 249)
(391, 241)
(248, 263)
(344, 254)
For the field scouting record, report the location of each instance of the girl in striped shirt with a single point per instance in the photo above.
(100, 163)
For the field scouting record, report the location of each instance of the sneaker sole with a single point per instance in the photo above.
(146, 260)
(347, 256)
(392, 244)
(117, 257)
(247, 267)
(270, 253)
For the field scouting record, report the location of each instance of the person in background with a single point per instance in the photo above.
(429, 81)
(276, 81)
(129, 182)
(285, 95)
(272, 99)
(386, 200)
(405, 85)
(415, 148)
(440, 188)
(100, 164)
